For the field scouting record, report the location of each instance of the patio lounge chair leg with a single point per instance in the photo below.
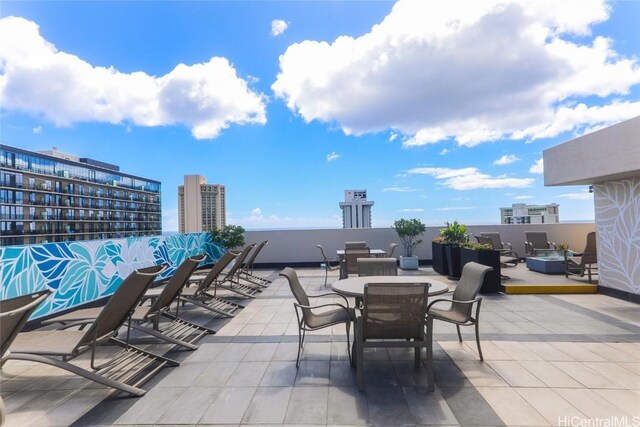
(359, 357)
(348, 349)
(478, 340)
(459, 335)
(79, 371)
(301, 333)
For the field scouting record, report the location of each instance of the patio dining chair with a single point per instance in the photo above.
(577, 263)
(326, 263)
(146, 318)
(377, 267)
(459, 311)
(391, 250)
(537, 240)
(350, 261)
(14, 313)
(394, 315)
(310, 318)
(127, 370)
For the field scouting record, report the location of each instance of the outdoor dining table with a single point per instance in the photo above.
(374, 252)
(354, 286)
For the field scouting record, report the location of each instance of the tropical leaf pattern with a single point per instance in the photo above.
(617, 210)
(81, 272)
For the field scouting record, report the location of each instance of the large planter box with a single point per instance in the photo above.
(453, 262)
(439, 258)
(409, 262)
(492, 280)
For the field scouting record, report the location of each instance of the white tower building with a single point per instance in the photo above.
(356, 209)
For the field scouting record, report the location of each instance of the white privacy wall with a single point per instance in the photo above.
(617, 210)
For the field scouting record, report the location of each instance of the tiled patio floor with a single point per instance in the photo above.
(549, 360)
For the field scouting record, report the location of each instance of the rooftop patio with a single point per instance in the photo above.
(549, 360)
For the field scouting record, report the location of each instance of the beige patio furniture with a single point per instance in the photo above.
(459, 310)
(506, 250)
(127, 370)
(204, 294)
(394, 315)
(504, 259)
(326, 263)
(537, 241)
(246, 270)
(350, 261)
(577, 263)
(14, 313)
(355, 245)
(377, 267)
(391, 250)
(310, 318)
(146, 318)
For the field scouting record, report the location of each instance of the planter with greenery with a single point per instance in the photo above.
(454, 235)
(408, 231)
(229, 237)
(439, 256)
(484, 254)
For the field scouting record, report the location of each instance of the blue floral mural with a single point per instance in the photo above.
(81, 272)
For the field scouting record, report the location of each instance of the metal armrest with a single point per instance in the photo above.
(477, 299)
(312, 307)
(333, 294)
(555, 247)
(507, 244)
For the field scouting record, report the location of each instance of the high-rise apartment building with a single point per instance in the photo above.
(521, 213)
(51, 196)
(201, 206)
(356, 209)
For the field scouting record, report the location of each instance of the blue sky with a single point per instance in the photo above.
(440, 110)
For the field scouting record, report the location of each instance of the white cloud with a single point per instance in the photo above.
(278, 26)
(333, 156)
(457, 208)
(523, 197)
(258, 220)
(393, 137)
(206, 97)
(460, 199)
(585, 195)
(411, 210)
(507, 159)
(471, 178)
(37, 130)
(398, 189)
(537, 167)
(463, 70)
(444, 151)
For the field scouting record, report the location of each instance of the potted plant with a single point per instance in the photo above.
(439, 256)
(454, 235)
(484, 254)
(229, 237)
(408, 231)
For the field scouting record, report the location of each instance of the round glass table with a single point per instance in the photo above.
(354, 286)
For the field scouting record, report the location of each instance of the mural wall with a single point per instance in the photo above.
(617, 209)
(81, 272)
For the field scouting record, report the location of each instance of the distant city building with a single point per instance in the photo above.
(51, 196)
(521, 213)
(201, 206)
(356, 209)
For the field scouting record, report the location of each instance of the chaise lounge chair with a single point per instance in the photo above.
(178, 331)
(14, 313)
(202, 296)
(246, 270)
(537, 241)
(127, 370)
(234, 282)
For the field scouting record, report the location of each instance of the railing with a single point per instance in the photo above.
(80, 272)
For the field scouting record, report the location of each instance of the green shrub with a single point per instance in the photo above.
(229, 237)
(454, 233)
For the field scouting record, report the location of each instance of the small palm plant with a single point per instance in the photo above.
(454, 233)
